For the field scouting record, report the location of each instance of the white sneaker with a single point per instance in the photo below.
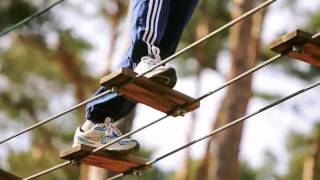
(163, 74)
(101, 134)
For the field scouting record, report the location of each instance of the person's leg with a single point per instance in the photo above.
(111, 105)
(148, 25)
(150, 36)
(179, 15)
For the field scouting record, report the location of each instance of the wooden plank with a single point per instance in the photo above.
(115, 162)
(148, 92)
(308, 47)
(4, 175)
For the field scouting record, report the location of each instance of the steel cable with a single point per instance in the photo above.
(250, 71)
(28, 19)
(222, 128)
(231, 23)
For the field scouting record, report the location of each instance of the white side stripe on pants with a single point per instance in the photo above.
(156, 24)
(153, 31)
(147, 24)
(150, 34)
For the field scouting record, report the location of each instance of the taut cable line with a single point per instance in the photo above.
(170, 58)
(316, 35)
(178, 110)
(230, 82)
(210, 35)
(49, 170)
(222, 128)
(53, 117)
(28, 19)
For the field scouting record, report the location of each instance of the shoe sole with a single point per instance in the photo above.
(112, 148)
(167, 77)
(123, 150)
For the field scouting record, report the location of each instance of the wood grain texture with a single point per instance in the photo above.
(115, 162)
(308, 47)
(4, 175)
(148, 92)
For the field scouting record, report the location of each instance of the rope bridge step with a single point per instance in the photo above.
(4, 175)
(299, 45)
(116, 162)
(148, 92)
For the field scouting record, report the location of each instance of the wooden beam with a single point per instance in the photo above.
(115, 162)
(4, 175)
(148, 92)
(299, 45)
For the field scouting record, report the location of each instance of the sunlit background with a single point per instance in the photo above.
(56, 61)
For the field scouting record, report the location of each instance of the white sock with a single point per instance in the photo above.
(107, 120)
(87, 125)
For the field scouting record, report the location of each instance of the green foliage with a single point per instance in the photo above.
(25, 69)
(267, 96)
(268, 169)
(298, 147)
(20, 61)
(14, 11)
(35, 160)
(151, 174)
(73, 44)
(247, 172)
(295, 68)
(314, 23)
(32, 78)
(292, 67)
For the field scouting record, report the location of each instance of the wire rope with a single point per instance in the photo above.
(28, 19)
(178, 110)
(220, 129)
(170, 58)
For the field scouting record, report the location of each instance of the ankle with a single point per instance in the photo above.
(108, 120)
(87, 125)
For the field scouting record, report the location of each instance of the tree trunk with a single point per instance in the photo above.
(311, 166)
(124, 124)
(70, 69)
(244, 44)
(184, 173)
(201, 56)
(114, 20)
(244, 51)
(67, 62)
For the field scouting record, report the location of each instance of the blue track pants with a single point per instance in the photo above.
(155, 24)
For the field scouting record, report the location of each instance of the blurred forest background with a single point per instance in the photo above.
(47, 66)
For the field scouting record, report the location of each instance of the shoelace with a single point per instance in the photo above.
(150, 61)
(113, 131)
(156, 52)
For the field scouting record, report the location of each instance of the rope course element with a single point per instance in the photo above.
(49, 170)
(28, 19)
(228, 125)
(220, 129)
(178, 110)
(170, 58)
(210, 35)
(316, 35)
(54, 117)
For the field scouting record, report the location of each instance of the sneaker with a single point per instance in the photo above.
(101, 134)
(163, 74)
